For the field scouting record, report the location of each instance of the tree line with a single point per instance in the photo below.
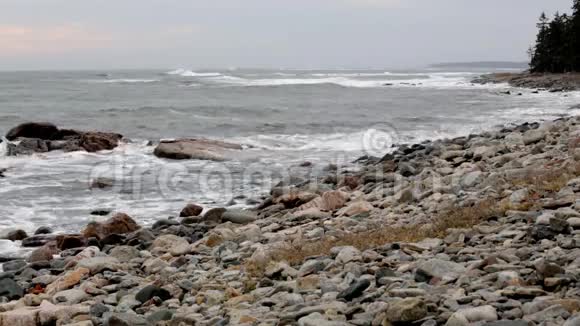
(557, 48)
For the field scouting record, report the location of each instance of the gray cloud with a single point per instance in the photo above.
(59, 34)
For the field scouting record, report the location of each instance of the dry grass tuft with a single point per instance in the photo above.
(541, 183)
(548, 181)
(453, 218)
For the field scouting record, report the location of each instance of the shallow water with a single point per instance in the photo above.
(286, 117)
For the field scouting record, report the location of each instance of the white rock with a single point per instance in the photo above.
(348, 254)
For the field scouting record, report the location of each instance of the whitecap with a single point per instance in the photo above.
(191, 73)
(123, 81)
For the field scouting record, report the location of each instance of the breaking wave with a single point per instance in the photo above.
(190, 73)
(123, 81)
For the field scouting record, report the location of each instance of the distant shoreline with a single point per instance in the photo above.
(552, 82)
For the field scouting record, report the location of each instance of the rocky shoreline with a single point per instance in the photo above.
(481, 230)
(550, 82)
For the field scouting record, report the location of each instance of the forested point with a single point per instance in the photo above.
(557, 48)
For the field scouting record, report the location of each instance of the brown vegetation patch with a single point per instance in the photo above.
(541, 183)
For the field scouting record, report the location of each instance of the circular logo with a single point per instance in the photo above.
(379, 140)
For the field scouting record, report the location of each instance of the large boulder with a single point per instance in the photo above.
(99, 141)
(34, 137)
(118, 224)
(196, 149)
(40, 130)
(191, 210)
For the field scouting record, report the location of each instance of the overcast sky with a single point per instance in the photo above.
(195, 34)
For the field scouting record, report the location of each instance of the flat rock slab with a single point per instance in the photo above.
(196, 149)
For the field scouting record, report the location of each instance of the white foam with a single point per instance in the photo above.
(359, 80)
(123, 81)
(190, 73)
(4, 147)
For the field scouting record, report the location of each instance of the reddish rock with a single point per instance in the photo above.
(67, 280)
(99, 141)
(350, 181)
(329, 201)
(191, 210)
(118, 224)
(69, 241)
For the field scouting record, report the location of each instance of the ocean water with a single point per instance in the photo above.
(283, 117)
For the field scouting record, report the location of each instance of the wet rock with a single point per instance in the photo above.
(150, 291)
(14, 265)
(43, 137)
(118, 224)
(102, 183)
(191, 210)
(40, 130)
(69, 241)
(28, 146)
(164, 224)
(100, 212)
(38, 240)
(99, 141)
(16, 235)
(43, 230)
(10, 289)
(197, 149)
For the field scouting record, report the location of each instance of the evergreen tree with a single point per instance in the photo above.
(575, 36)
(557, 44)
(540, 55)
(557, 47)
